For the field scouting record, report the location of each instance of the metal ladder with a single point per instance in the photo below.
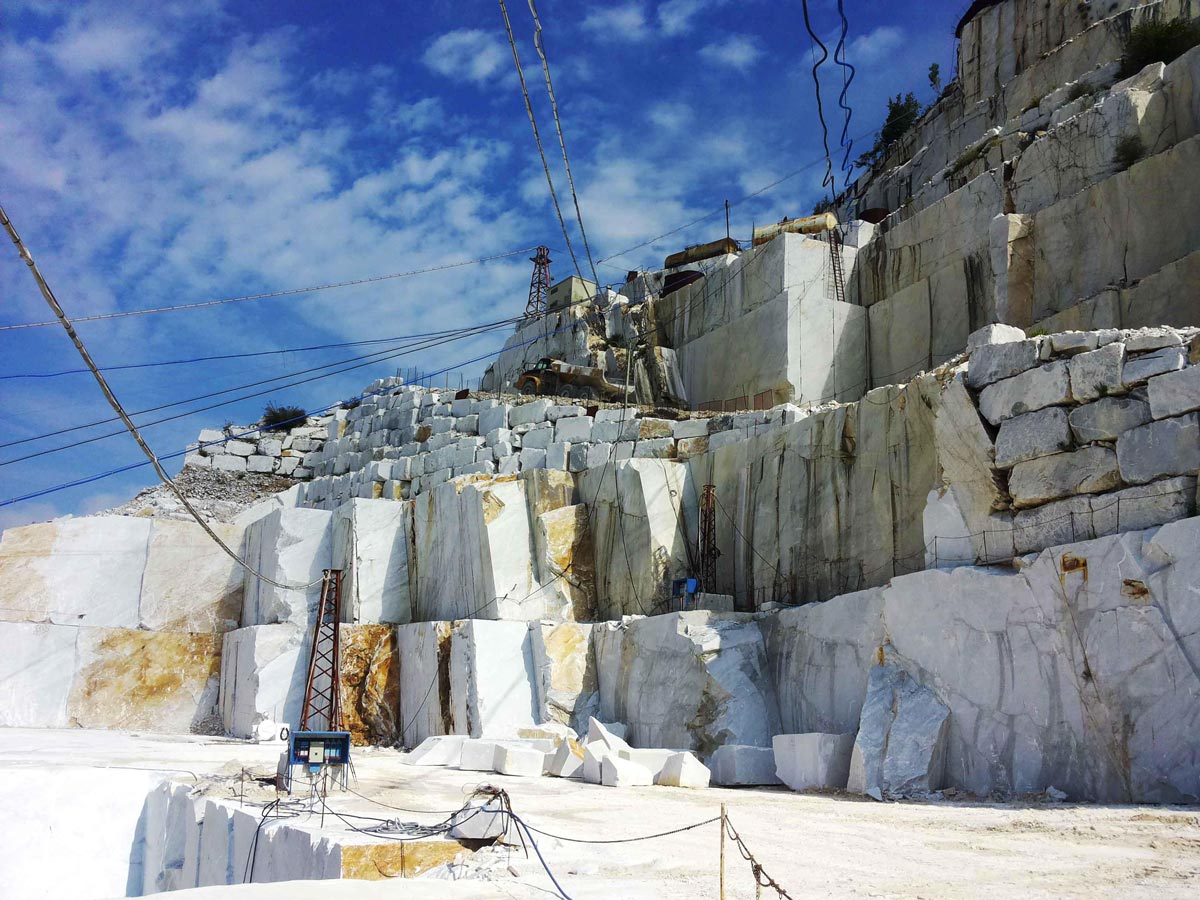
(322, 691)
(835, 261)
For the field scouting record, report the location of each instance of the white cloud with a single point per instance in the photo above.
(875, 45)
(627, 22)
(670, 116)
(676, 16)
(467, 54)
(738, 51)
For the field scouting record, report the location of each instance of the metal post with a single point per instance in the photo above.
(722, 851)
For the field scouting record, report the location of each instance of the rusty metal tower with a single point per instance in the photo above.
(708, 539)
(323, 689)
(539, 284)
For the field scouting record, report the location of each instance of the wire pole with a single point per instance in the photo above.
(722, 851)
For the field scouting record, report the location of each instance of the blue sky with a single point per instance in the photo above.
(165, 153)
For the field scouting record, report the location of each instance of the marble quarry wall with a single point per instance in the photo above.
(993, 198)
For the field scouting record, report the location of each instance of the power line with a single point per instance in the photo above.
(268, 294)
(376, 356)
(192, 412)
(199, 359)
(828, 179)
(537, 137)
(54, 305)
(537, 43)
(839, 57)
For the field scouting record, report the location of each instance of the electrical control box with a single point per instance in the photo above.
(314, 749)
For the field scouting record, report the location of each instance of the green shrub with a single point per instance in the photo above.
(1129, 150)
(1156, 41)
(281, 418)
(903, 112)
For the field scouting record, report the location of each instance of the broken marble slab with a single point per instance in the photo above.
(618, 772)
(1108, 418)
(739, 764)
(1087, 471)
(684, 770)
(567, 761)
(1160, 449)
(900, 749)
(1174, 393)
(1047, 385)
(814, 760)
(991, 362)
(1097, 373)
(525, 762)
(440, 750)
(1031, 436)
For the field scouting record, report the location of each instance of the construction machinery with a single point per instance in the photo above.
(556, 378)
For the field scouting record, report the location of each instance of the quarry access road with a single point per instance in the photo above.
(66, 802)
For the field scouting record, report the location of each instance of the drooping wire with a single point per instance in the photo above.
(541, 52)
(537, 137)
(828, 179)
(285, 293)
(848, 71)
(57, 309)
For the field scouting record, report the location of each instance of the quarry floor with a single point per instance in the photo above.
(67, 793)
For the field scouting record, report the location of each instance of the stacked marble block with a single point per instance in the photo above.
(1095, 433)
(289, 452)
(407, 440)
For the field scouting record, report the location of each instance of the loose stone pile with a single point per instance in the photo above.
(250, 449)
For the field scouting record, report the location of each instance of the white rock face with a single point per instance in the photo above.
(486, 569)
(693, 680)
(900, 749)
(807, 761)
(739, 764)
(292, 547)
(85, 571)
(636, 506)
(263, 670)
(472, 677)
(371, 544)
(1101, 675)
(37, 669)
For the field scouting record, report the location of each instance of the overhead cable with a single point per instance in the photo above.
(828, 179)
(54, 305)
(848, 71)
(537, 137)
(285, 293)
(541, 52)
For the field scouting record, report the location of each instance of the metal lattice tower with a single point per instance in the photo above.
(323, 690)
(539, 284)
(708, 539)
